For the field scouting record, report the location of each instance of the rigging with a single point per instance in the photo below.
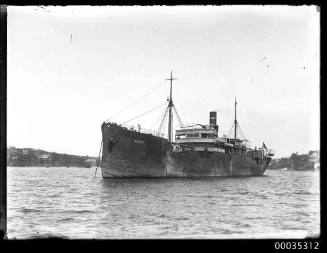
(140, 115)
(135, 102)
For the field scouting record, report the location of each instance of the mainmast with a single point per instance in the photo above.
(170, 106)
(235, 123)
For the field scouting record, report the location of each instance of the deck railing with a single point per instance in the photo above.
(144, 130)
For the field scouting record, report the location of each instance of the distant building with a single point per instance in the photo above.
(26, 152)
(13, 153)
(13, 157)
(45, 157)
(91, 161)
(314, 156)
(37, 153)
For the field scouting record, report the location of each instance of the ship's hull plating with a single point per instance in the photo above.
(130, 154)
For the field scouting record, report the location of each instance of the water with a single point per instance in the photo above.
(68, 202)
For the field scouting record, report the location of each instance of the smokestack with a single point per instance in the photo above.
(213, 119)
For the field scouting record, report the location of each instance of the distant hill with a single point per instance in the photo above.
(28, 157)
(297, 162)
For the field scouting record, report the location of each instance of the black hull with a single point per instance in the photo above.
(131, 154)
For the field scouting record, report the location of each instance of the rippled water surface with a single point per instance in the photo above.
(68, 202)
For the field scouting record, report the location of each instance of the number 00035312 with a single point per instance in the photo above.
(297, 245)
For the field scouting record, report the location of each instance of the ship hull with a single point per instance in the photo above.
(131, 154)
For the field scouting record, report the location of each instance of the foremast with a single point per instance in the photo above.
(235, 124)
(170, 107)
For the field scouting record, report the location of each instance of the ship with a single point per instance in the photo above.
(195, 150)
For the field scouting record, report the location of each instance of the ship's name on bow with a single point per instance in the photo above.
(138, 141)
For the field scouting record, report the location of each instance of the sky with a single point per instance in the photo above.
(71, 68)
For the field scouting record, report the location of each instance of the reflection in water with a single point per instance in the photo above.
(69, 202)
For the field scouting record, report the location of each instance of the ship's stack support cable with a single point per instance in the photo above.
(241, 132)
(98, 159)
(178, 117)
(140, 115)
(238, 126)
(230, 131)
(135, 102)
(164, 125)
(163, 120)
(155, 123)
(160, 119)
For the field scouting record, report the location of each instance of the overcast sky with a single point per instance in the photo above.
(71, 68)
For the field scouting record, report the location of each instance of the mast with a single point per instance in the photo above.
(170, 105)
(235, 123)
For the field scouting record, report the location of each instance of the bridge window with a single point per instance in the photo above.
(192, 135)
(180, 136)
(207, 135)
